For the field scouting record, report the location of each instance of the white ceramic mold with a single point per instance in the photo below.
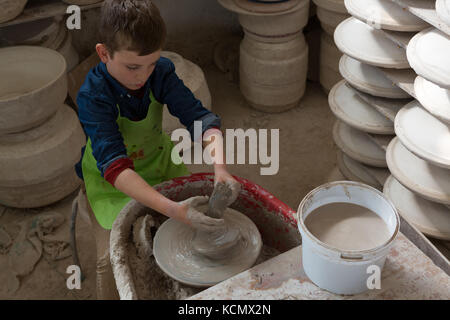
(428, 53)
(433, 219)
(424, 135)
(358, 145)
(420, 176)
(364, 43)
(348, 107)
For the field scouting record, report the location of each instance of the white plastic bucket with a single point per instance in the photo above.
(335, 270)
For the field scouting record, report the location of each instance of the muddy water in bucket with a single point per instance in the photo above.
(347, 226)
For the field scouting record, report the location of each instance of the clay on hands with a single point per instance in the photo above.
(216, 245)
(197, 219)
(235, 188)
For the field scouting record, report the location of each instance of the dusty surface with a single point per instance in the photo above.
(407, 274)
(307, 156)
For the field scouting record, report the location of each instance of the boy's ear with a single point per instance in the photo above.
(102, 52)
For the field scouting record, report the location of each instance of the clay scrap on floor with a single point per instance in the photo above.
(38, 235)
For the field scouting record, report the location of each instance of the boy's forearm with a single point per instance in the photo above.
(214, 138)
(130, 183)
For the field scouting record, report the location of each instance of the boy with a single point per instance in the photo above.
(120, 109)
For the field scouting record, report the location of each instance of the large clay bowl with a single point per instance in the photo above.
(11, 9)
(32, 86)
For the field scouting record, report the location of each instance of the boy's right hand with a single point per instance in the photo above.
(191, 216)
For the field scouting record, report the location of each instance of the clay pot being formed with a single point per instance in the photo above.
(273, 75)
(35, 160)
(11, 9)
(193, 78)
(33, 85)
(329, 62)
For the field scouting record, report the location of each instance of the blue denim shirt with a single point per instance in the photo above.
(97, 109)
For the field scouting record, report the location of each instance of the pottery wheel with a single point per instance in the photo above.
(173, 248)
(268, 7)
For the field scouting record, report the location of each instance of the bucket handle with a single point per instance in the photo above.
(347, 257)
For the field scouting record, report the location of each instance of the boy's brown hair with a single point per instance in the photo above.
(133, 25)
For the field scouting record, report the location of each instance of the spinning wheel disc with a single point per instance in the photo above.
(174, 253)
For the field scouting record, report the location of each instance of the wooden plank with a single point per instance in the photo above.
(381, 140)
(400, 38)
(40, 9)
(404, 78)
(408, 274)
(425, 10)
(424, 244)
(387, 107)
(443, 246)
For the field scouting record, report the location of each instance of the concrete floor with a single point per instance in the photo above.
(307, 157)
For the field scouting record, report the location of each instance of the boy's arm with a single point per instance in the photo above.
(98, 115)
(213, 140)
(181, 103)
(98, 118)
(130, 183)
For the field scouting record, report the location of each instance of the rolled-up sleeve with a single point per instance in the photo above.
(98, 117)
(181, 102)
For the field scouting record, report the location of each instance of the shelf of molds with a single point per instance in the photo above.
(41, 9)
(425, 10)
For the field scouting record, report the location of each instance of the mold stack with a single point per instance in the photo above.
(11, 9)
(330, 13)
(381, 43)
(366, 101)
(419, 158)
(40, 136)
(50, 33)
(273, 53)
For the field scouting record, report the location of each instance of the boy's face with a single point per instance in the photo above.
(127, 67)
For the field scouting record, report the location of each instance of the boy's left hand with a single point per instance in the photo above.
(225, 177)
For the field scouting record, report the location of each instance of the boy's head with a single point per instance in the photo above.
(132, 34)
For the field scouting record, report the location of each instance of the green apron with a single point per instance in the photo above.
(148, 147)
